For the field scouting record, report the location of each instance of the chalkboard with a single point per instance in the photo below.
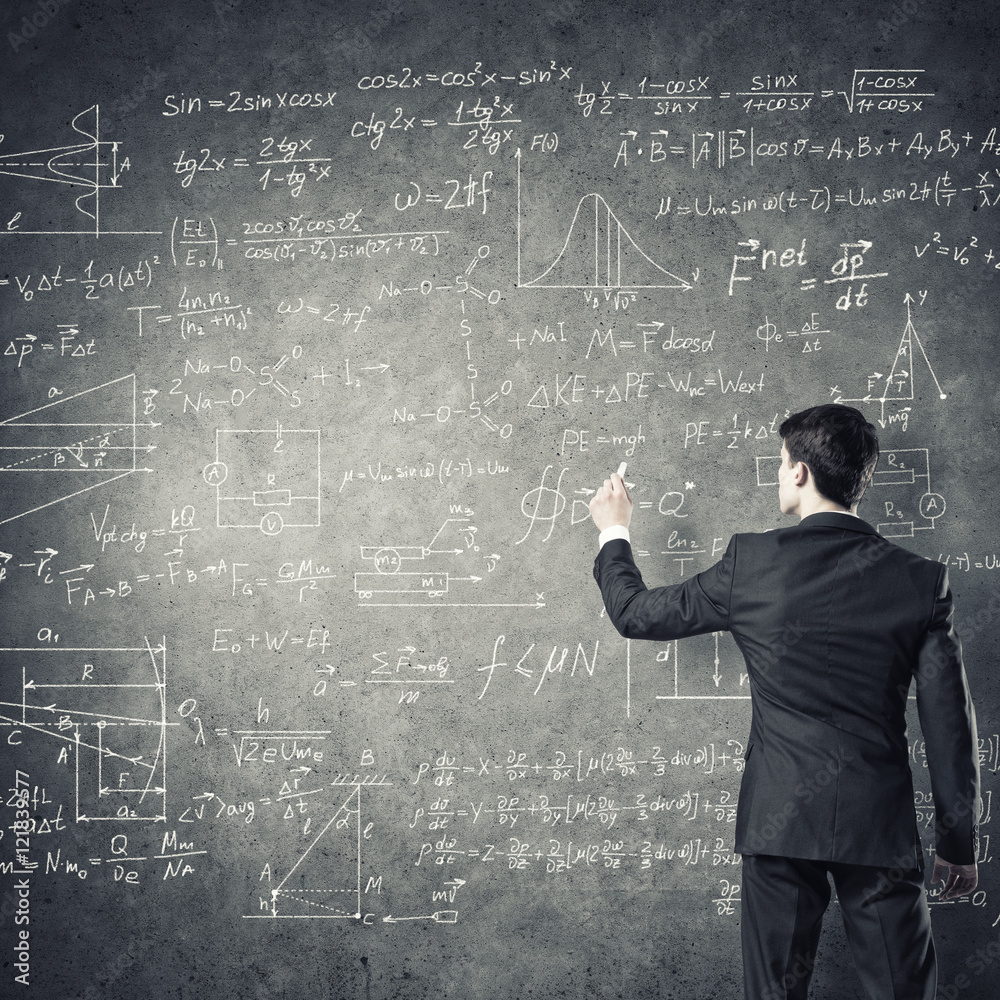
(321, 323)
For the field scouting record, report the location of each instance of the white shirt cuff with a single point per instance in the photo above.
(615, 531)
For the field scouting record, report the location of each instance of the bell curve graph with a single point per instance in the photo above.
(598, 253)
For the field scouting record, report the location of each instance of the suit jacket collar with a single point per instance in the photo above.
(835, 519)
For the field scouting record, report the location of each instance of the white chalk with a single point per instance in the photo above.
(621, 470)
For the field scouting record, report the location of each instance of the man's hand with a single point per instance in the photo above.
(959, 880)
(611, 504)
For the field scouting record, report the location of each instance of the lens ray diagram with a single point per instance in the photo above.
(103, 711)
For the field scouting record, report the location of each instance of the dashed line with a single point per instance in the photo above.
(64, 447)
(308, 902)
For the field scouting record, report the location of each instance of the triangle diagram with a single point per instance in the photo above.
(325, 881)
(899, 384)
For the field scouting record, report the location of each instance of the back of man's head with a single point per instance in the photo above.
(838, 445)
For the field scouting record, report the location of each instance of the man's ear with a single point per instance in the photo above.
(800, 473)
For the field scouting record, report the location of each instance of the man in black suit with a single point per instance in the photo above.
(833, 622)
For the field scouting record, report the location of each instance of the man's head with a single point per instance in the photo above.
(839, 450)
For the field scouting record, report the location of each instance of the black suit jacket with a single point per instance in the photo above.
(833, 622)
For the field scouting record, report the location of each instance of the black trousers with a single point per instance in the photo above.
(885, 916)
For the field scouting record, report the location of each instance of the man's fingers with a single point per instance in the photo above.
(967, 883)
(952, 887)
(612, 487)
(619, 483)
(958, 885)
(601, 495)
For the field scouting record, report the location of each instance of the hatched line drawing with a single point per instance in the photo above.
(70, 446)
(408, 576)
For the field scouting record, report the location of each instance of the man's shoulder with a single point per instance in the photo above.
(864, 538)
(767, 536)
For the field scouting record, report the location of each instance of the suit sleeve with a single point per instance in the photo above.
(699, 604)
(948, 722)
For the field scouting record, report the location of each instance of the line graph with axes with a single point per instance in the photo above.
(597, 252)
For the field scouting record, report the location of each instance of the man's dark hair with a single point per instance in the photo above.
(839, 446)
